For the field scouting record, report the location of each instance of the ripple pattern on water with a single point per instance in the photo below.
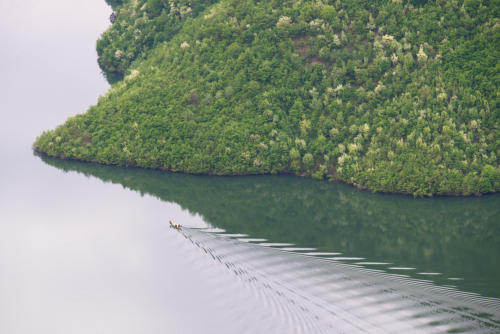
(300, 293)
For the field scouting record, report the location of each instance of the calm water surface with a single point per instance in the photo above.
(448, 240)
(87, 248)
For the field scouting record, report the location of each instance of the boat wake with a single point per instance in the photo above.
(304, 293)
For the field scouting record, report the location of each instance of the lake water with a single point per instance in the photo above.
(86, 248)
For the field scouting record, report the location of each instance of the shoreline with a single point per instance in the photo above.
(38, 152)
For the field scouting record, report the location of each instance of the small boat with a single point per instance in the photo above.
(175, 225)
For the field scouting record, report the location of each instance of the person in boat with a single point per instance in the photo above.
(175, 225)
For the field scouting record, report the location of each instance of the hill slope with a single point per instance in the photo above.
(397, 96)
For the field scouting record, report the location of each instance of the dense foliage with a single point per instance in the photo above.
(397, 96)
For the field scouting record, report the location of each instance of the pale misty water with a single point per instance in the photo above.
(87, 248)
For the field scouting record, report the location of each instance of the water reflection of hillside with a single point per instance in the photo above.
(458, 237)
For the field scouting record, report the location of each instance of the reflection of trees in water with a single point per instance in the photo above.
(457, 236)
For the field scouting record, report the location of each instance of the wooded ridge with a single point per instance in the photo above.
(394, 96)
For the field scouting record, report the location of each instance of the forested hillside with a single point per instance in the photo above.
(395, 96)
